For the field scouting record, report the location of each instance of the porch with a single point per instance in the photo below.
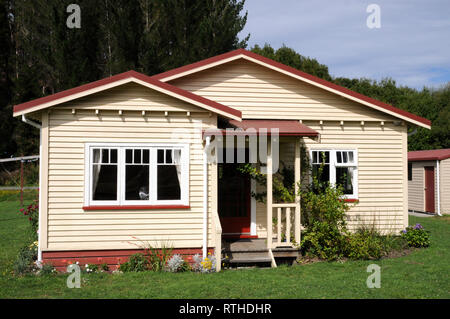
(239, 237)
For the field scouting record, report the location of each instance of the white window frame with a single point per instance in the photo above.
(152, 201)
(333, 164)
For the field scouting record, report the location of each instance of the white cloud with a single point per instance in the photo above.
(412, 46)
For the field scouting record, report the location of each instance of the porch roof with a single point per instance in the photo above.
(285, 128)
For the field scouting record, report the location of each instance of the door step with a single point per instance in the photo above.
(246, 252)
(253, 252)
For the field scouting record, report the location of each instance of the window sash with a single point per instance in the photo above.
(121, 169)
(334, 163)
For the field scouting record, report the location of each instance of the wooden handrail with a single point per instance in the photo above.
(291, 205)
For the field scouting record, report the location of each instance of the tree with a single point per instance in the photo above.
(40, 55)
(290, 57)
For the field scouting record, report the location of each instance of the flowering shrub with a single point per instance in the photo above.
(416, 236)
(32, 211)
(204, 265)
(177, 264)
(89, 268)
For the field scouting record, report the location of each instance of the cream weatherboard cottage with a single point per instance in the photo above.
(124, 160)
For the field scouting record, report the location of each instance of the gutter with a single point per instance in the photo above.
(37, 125)
(438, 189)
(205, 197)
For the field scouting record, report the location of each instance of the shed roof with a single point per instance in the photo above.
(429, 155)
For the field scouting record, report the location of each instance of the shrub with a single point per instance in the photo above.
(47, 269)
(204, 265)
(157, 257)
(324, 215)
(25, 260)
(177, 264)
(104, 267)
(137, 262)
(89, 268)
(365, 244)
(32, 211)
(416, 236)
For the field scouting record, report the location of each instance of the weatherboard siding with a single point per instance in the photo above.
(261, 93)
(416, 200)
(445, 186)
(70, 227)
(381, 173)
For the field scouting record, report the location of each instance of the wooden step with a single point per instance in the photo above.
(246, 252)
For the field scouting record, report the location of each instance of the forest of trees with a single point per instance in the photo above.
(40, 55)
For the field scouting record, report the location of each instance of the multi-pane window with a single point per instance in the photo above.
(338, 167)
(137, 175)
(104, 174)
(169, 174)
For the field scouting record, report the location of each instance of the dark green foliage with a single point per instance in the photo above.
(47, 269)
(324, 216)
(25, 260)
(326, 235)
(104, 267)
(137, 262)
(291, 58)
(282, 182)
(367, 243)
(40, 55)
(416, 236)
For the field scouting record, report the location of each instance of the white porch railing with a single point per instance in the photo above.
(287, 220)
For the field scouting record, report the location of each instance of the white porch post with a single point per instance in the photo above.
(297, 170)
(269, 193)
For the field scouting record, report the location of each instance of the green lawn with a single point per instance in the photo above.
(421, 274)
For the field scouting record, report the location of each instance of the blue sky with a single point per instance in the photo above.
(412, 46)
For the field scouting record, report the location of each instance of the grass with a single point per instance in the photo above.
(420, 274)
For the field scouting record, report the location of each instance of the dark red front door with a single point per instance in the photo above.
(429, 189)
(233, 200)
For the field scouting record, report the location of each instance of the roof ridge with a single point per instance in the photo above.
(122, 76)
(293, 71)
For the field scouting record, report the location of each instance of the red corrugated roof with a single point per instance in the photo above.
(122, 76)
(218, 58)
(284, 127)
(429, 155)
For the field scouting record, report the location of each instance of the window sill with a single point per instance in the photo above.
(351, 200)
(135, 207)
